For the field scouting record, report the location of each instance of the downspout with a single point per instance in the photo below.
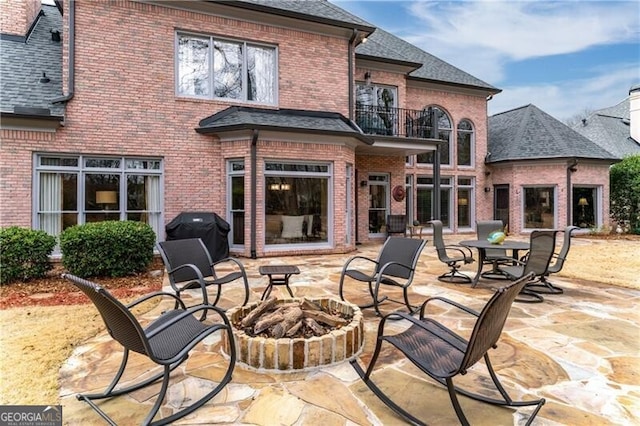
(350, 79)
(351, 115)
(254, 181)
(71, 83)
(570, 169)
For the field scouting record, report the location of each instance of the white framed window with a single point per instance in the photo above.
(465, 143)
(216, 68)
(298, 203)
(445, 131)
(465, 201)
(235, 201)
(424, 199)
(74, 189)
(539, 207)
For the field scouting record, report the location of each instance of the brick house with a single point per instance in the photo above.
(299, 123)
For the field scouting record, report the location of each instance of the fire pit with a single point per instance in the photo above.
(297, 353)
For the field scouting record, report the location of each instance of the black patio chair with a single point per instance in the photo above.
(543, 285)
(396, 224)
(495, 257)
(452, 255)
(395, 266)
(189, 266)
(166, 341)
(542, 246)
(442, 354)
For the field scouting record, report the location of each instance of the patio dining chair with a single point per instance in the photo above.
(189, 266)
(395, 266)
(442, 354)
(452, 255)
(167, 341)
(543, 285)
(536, 262)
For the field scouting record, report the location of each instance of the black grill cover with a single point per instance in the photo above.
(208, 226)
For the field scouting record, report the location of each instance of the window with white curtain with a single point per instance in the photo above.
(217, 68)
(74, 190)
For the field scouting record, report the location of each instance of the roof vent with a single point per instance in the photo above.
(584, 121)
(44, 78)
(55, 36)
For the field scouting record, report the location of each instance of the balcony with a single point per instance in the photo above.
(397, 122)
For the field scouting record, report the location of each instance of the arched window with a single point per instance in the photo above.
(465, 143)
(444, 133)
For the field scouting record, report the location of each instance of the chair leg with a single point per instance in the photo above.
(529, 296)
(454, 276)
(543, 286)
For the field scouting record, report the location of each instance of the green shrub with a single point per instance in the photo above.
(107, 249)
(24, 254)
(624, 180)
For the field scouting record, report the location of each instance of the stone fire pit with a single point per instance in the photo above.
(286, 354)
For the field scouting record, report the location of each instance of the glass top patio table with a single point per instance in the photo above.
(483, 245)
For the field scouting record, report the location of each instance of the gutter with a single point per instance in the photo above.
(72, 56)
(254, 181)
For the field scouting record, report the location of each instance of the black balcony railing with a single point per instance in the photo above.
(399, 122)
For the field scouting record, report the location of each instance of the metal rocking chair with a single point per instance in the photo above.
(166, 341)
(189, 266)
(395, 266)
(443, 354)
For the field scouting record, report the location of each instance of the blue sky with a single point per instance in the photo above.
(565, 57)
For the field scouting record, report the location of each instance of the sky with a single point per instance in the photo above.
(565, 57)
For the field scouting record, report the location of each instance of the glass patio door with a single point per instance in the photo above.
(378, 204)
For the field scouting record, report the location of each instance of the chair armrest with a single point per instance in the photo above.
(354, 258)
(200, 279)
(464, 308)
(156, 294)
(464, 251)
(186, 313)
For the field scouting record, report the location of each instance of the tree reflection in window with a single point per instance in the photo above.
(444, 134)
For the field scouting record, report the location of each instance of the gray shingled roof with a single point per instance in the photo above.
(385, 45)
(315, 10)
(290, 120)
(610, 128)
(22, 64)
(528, 133)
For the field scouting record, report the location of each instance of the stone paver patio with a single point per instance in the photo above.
(580, 350)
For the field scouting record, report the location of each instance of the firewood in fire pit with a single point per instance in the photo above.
(293, 319)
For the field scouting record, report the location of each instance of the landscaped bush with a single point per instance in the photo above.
(107, 249)
(24, 254)
(625, 193)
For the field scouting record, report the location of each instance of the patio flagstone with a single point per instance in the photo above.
(580, 350)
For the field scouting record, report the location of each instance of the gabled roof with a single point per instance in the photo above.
(316, 10)
(610, 128)
(528, 133)
(387, 46)
(22, 66)
(284, 120)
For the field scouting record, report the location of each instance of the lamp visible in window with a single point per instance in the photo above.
(106, 198)
(582, 202)
(274, 187)
(463, 202)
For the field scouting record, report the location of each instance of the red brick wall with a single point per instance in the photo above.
(16, 16)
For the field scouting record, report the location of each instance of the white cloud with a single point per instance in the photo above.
(521, 30)
(565, 99)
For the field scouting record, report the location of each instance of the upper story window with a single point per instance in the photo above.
(376, 109)
(465, 143)
(444, 133)
(214, 68)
